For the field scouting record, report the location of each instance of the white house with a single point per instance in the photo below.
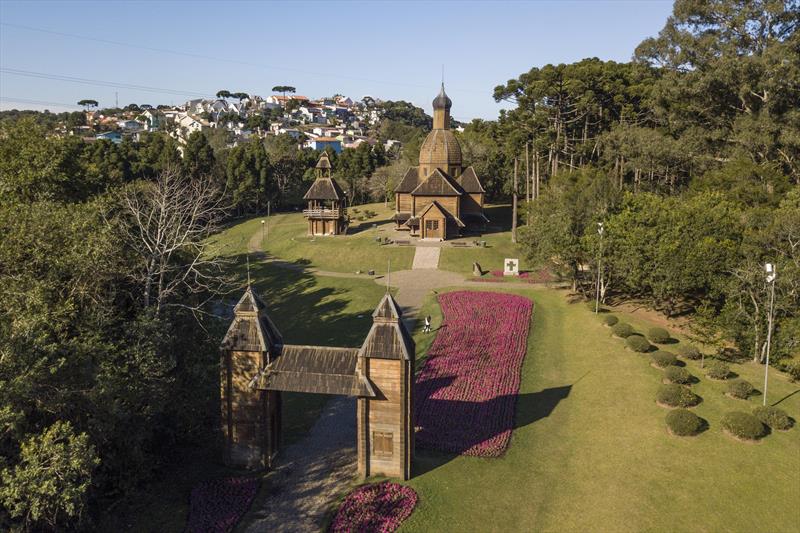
(130, 126)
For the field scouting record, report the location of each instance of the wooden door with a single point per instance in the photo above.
(432, 228)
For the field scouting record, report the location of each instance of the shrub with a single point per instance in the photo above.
(637, 343)
(675, 395)
(610, 320)
(688, 351)
(793, 369)
(663, 359)
(622, 330)
(718, 370)
(740, 388)
(773, 417)
(684, 423)
(658, 335)
(676, 374)
(743, 425)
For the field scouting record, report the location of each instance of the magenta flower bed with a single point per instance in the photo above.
(466, 392)
(377, 508)
(216, 506)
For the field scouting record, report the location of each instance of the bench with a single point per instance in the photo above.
(459, 244)
(404, 242)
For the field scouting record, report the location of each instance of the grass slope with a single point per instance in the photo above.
(590, 451)
(288, 240)
(498, 246)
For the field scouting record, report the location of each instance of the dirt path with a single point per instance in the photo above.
(310, 475)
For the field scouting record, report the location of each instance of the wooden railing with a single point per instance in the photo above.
(324, 213)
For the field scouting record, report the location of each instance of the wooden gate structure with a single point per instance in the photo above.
(256, 366)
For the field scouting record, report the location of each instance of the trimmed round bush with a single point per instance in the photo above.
(676, 374)
(637, 343)
(610, 320)
(684, 423)
(687, 351)
(718, 370)
(658, 335)
(663, 359)
(739, 388)
(675, 395)
(773, 417)
(622, 330)
(743, 425)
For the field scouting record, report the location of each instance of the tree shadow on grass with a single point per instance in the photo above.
(458, 425)
(303, 311)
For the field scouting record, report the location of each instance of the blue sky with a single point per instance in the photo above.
(168, 52)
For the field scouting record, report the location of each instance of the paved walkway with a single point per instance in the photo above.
(311, 474)
(425, 257)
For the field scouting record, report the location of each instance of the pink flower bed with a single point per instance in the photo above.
(216, 506)
(377, 508)
(466, 392)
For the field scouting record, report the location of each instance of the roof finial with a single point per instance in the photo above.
(248, 271)
(442, 75)
(388, 271)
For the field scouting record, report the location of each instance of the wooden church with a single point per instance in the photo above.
(439, 199)
(256, 366)
(327, 202)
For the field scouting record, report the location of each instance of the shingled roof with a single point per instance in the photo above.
(447, 214)
(469, 181)
(324, 189)
(438, 184)
(388, 337)
(409, 181)
(251, 330)
(316, 369)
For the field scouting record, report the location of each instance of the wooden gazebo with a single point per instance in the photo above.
(327, 202)
(256, 366)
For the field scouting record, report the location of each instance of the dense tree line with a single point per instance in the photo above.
(107, 359)
(688, 156)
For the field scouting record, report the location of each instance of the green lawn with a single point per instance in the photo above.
(591, 453)
(287, 239)
(498, 246)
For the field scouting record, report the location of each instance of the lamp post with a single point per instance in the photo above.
(263, 225)
(599, 261)
(769, 268)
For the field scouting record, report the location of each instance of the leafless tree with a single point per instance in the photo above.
(167, 223)
(384, 180)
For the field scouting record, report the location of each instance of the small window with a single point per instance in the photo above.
(382, 443)
(432, 225)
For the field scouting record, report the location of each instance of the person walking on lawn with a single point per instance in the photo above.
(427, 328)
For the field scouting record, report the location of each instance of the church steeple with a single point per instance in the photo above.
(441, 110)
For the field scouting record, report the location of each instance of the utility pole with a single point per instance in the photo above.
(269, 203)
(769, 268)
(527, 175)
(599, 269)
(514, 206)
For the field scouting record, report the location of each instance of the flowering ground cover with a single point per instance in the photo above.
(467, 390)
(216, 506)
(376, 508)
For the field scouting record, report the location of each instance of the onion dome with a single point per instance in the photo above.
(442, 101)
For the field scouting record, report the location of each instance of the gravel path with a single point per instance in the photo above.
(311, 473)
